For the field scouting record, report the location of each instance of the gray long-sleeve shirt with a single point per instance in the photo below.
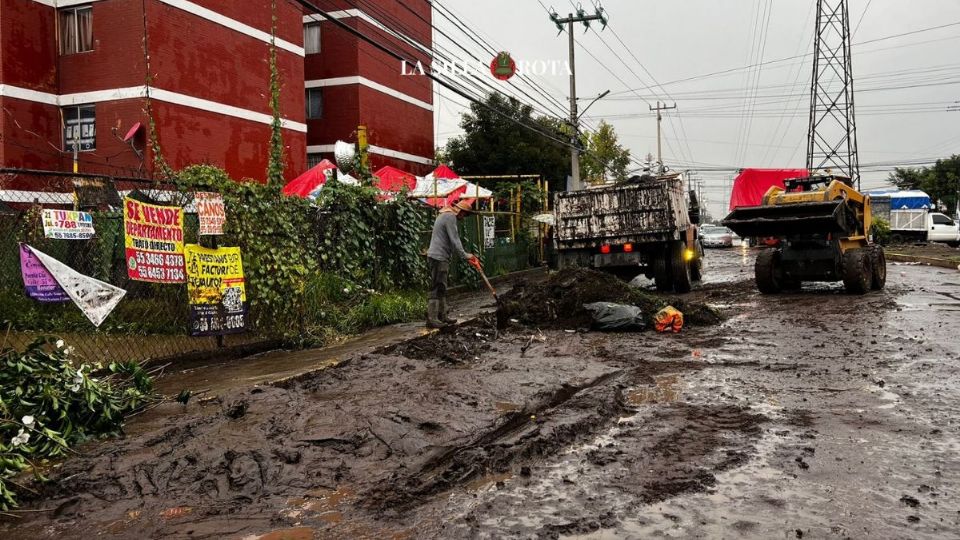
(446, 239)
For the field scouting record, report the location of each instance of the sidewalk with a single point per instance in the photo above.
(216, 377)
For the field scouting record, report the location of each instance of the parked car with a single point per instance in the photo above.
(716, 236)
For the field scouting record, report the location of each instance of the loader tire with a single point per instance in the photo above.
(767, 271)
(857, 271)
(680, 268)
(879, 273)
(661, 271)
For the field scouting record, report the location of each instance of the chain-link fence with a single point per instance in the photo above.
(153, 321)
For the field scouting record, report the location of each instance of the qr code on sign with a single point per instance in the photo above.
(232, 300)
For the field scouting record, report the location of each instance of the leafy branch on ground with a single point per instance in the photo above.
(48, 404)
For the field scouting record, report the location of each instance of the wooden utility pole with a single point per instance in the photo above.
(660, 108)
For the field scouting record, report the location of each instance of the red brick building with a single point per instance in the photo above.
(349, 82)
(75, 75)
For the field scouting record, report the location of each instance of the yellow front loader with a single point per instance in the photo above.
(823, 227)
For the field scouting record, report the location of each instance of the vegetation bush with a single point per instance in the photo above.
(48, 404)
(881, 231)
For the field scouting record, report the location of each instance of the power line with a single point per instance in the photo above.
(785, 59)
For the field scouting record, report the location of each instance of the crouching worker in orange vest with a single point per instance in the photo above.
(444, 243)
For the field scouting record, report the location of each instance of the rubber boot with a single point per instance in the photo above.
(443, 313)
(433, 314)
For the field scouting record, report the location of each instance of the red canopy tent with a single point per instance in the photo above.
(393, 180)
(752, 184)
(310, 181)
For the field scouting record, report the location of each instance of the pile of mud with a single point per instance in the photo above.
(452, 345)
(558, 302)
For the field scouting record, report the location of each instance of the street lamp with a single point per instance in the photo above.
(596, 99)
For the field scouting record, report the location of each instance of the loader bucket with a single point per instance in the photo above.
(790, 219)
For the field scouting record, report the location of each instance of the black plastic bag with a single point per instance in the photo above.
(615, 317)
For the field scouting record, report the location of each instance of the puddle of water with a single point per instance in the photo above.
(488, 480)
(176, 512)
(507, 407)
(327, 500)
(665, 390)
(331, 517)
(298, 533)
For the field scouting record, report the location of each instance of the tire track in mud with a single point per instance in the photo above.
(524, 434)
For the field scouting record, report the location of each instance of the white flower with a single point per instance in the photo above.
(22, 438)
(59, 343)
(68, 350)
(27, 421)
(346, 290)
(77, 379)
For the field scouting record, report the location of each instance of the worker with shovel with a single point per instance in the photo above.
(444, 243)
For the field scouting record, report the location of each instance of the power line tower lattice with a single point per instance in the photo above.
(832, 134)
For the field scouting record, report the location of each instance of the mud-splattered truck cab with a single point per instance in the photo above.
(646, 225)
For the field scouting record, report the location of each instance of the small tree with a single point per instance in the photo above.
(603, 154)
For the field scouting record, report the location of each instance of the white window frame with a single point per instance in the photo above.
(75, 21)
(67, 142)
(312, 47)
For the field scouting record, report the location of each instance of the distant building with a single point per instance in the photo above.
(73, 76)
(350, 82)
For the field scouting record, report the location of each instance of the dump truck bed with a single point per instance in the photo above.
(649, 211)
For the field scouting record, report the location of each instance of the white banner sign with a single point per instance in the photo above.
(489, 231)
(211, 211)
(67, 225)
(95, 298)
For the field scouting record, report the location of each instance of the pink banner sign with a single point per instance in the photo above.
(40, 283)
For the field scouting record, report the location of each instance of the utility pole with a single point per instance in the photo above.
(584, 18)
(660, 108)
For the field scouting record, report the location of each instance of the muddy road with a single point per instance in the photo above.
(814, 414)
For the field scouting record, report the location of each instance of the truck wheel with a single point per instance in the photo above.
(879, 273)
(767, 271)
(696, 269)
(680, 268)
(857, 271)
(661, 271)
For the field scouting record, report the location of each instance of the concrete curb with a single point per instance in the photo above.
(929, 261)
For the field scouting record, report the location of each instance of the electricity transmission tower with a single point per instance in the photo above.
(832, 135)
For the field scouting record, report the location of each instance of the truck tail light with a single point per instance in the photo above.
(605, 249)
(628, 248)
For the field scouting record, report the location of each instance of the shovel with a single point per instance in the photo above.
(476, 264)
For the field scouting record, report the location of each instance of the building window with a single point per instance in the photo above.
(79, 128)
(311, 38)
(314, 99)
(76, 30)
(313, 160)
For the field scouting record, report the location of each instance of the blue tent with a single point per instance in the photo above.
(904, 200)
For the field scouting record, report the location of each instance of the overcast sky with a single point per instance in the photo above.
(713, 125)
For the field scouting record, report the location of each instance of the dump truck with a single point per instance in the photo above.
(645, 225)
(823, 226)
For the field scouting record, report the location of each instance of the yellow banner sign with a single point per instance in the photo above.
(216, 290)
